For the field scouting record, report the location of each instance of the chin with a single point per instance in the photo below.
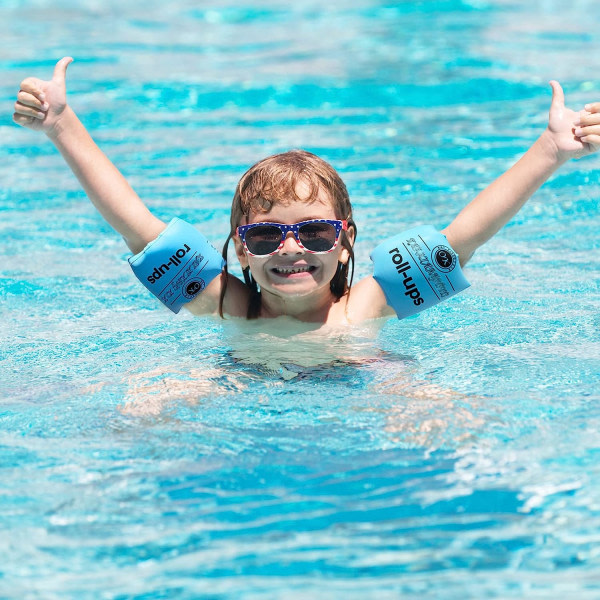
(294, 289)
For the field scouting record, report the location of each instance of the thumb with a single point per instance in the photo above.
(558, 96)
(60, 70)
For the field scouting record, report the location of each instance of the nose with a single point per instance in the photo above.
(290, 245)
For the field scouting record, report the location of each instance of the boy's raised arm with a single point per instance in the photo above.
(569, 134)
(42, 106)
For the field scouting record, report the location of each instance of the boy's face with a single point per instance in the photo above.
(292, 271)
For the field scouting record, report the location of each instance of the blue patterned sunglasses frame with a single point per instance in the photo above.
(317, 236)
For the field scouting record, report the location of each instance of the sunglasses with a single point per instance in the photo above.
(315, 236)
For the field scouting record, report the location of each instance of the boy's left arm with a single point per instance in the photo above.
(569, 134)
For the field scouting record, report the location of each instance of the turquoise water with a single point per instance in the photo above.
(450, 455)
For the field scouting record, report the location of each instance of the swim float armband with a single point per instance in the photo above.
(177, 265)
(417, 269)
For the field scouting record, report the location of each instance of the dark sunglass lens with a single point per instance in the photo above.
(317, 237)
(263, 239)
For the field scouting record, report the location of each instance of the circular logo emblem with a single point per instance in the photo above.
(444, 258)
(193, 288)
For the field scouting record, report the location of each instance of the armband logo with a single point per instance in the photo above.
(444, 258)
(193, 288)
(174, 261)
(403, 267)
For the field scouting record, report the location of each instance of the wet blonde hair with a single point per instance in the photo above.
(275, 181)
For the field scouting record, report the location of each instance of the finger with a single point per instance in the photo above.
(593, 107)
(592, 140)
(22, 120)
(60, 70)
(34, 86)
(587, 118)
(581, 132)
(27, 99)
(558, 96)
(29, 111)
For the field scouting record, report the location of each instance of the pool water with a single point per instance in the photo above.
(450, 455)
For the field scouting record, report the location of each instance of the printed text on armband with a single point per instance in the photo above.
(433, 276)
(403, 268)
(174, 261)
(182, 278)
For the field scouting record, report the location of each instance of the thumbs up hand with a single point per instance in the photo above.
(574, 134)
(40, 103)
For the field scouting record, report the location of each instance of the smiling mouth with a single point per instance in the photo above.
(293, 270)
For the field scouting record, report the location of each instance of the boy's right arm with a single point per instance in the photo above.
(42, 106)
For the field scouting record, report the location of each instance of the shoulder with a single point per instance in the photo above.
(367, 301)
(235, 302)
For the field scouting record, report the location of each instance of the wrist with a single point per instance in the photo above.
(550, 149)
(61, 124)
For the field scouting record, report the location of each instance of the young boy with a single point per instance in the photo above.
(292, 224)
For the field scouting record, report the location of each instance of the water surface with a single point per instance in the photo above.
(450, 455)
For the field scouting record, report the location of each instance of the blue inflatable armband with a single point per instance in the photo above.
(177, 265)
(417, 269)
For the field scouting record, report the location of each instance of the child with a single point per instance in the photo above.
(292, 227)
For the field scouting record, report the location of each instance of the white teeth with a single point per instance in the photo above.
(291, 270)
